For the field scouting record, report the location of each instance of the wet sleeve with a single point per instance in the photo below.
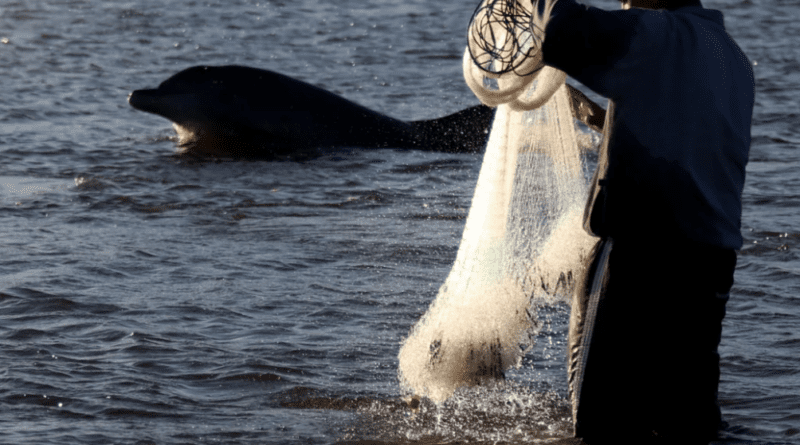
(587, 42)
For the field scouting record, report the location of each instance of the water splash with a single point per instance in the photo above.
(493, 413)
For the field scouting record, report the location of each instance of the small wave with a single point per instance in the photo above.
(257, 377)
(139, 413)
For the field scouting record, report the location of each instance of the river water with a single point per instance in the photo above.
(148, 298)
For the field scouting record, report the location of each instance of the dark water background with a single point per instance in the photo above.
(146, 298)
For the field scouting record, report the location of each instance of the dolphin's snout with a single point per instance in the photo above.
(143, 100)
(134, 99)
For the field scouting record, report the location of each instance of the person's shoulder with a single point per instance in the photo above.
(701, 13)
(658, 25)
(700, 16)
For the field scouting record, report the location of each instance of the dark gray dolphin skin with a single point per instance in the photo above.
(237, 111)
(243, 112)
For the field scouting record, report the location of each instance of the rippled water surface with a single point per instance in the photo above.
(148, 298)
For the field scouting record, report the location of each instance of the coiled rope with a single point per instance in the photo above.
(504, 42)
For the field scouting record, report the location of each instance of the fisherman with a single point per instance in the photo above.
(666, 202)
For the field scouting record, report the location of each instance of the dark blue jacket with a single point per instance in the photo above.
(678, 132)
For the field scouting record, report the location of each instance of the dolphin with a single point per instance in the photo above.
(243, 112)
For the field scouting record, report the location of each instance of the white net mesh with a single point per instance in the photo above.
(523, 245)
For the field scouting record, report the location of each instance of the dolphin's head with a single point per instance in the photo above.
(195, 95)
(207, 102)
(216, 103)
(232, 93)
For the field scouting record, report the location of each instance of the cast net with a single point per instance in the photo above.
(523, 241)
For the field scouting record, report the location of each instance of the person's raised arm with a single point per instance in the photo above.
(586, 42)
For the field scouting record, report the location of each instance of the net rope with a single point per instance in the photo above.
(522, 244)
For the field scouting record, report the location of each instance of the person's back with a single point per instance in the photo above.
(680, 135)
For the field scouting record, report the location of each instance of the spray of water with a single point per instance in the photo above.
(493, 413)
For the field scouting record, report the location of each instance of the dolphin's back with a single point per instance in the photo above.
(302, 115)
